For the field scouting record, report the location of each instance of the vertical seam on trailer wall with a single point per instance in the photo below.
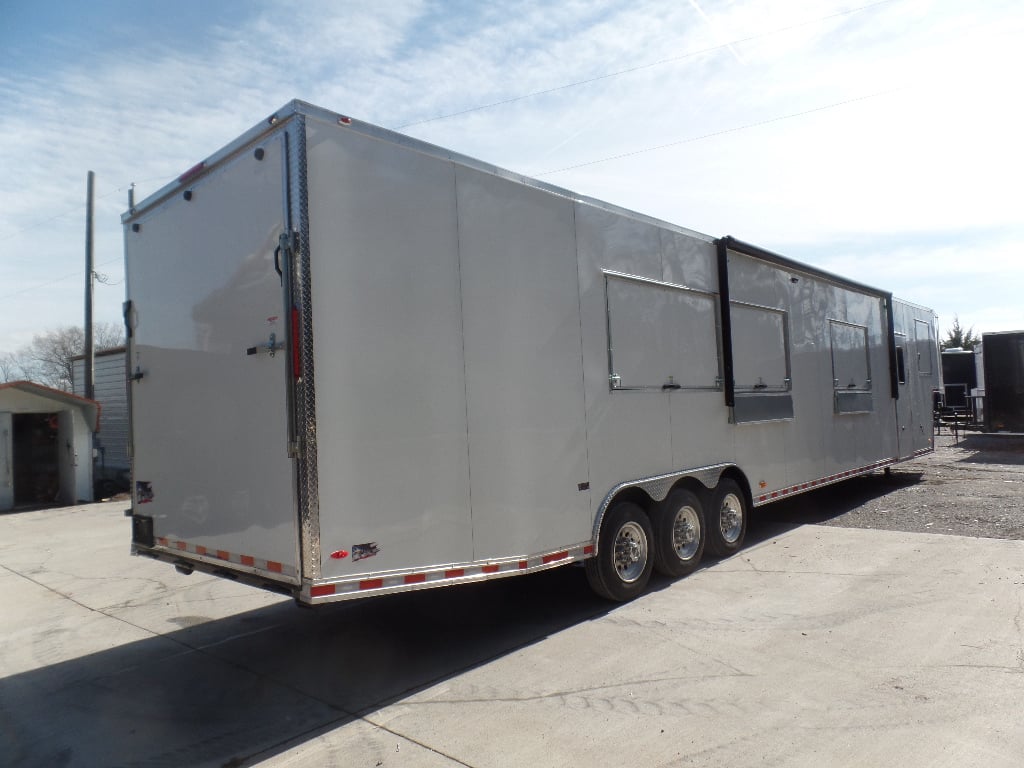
(668, 395)
(728, 386)
(309, 497)
(583, 365)
(465, 366)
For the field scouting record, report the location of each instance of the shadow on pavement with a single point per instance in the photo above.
(219, 693)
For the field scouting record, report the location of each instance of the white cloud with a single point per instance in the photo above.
(938, 156)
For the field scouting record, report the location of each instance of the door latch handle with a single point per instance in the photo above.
(270, 347)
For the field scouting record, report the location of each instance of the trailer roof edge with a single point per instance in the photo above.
(370, 130)
(763, 254)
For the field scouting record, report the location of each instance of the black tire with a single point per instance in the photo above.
(726, 519)
(679, 533)
(622, 566)
(104, 489)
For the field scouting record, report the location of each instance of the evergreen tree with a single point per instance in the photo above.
(958, 337)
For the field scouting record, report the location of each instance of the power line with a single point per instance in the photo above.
(721, 132)
(104, 279)
(640, 67)
(69, 211)
(619, 156)
(57, 280)
(619, 73)
(555, 89)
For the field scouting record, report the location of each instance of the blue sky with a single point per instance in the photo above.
(879, 140)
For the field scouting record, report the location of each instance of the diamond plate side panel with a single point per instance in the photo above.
(309, 497)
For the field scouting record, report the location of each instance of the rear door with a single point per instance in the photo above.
(209, 368)
(923, 376)
(905, 405)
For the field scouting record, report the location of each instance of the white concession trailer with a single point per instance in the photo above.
(362, 364)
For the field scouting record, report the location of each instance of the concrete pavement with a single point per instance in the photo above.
(815, 646)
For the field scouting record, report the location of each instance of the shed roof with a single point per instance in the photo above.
(103, 352)
(90, 408)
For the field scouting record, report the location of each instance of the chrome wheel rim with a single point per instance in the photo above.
(686, 533)
(730, 517)
(630, 552)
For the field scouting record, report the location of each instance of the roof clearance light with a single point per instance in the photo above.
(344, 120)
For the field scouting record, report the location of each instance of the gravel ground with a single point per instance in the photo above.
(973, 487)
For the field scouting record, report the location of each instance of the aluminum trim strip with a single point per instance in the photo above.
(298, 108)
(379, 583)
(651, 281)
(250, 138)
(810, 485)
(305, 394)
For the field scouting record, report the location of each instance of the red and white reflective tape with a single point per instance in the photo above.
(213, 555)
(399, 582)
(812, 484)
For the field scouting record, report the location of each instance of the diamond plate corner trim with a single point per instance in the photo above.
(309, 496)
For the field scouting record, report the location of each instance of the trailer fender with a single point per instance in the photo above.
(657, 488)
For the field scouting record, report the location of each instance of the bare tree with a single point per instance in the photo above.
(10, 367)
(48, 358)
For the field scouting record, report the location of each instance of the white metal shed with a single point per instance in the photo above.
(45, 445)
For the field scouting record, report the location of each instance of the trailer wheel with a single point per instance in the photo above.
(679, 533)
(622, 567)
(727, 518)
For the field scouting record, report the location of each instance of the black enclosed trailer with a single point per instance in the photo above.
(1003, 377)
(958, 377)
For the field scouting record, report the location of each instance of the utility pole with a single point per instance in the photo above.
(90, 355)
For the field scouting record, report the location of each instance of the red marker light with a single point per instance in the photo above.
(195, 170)
(344, 120)
(341, 554)
(296, 359)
